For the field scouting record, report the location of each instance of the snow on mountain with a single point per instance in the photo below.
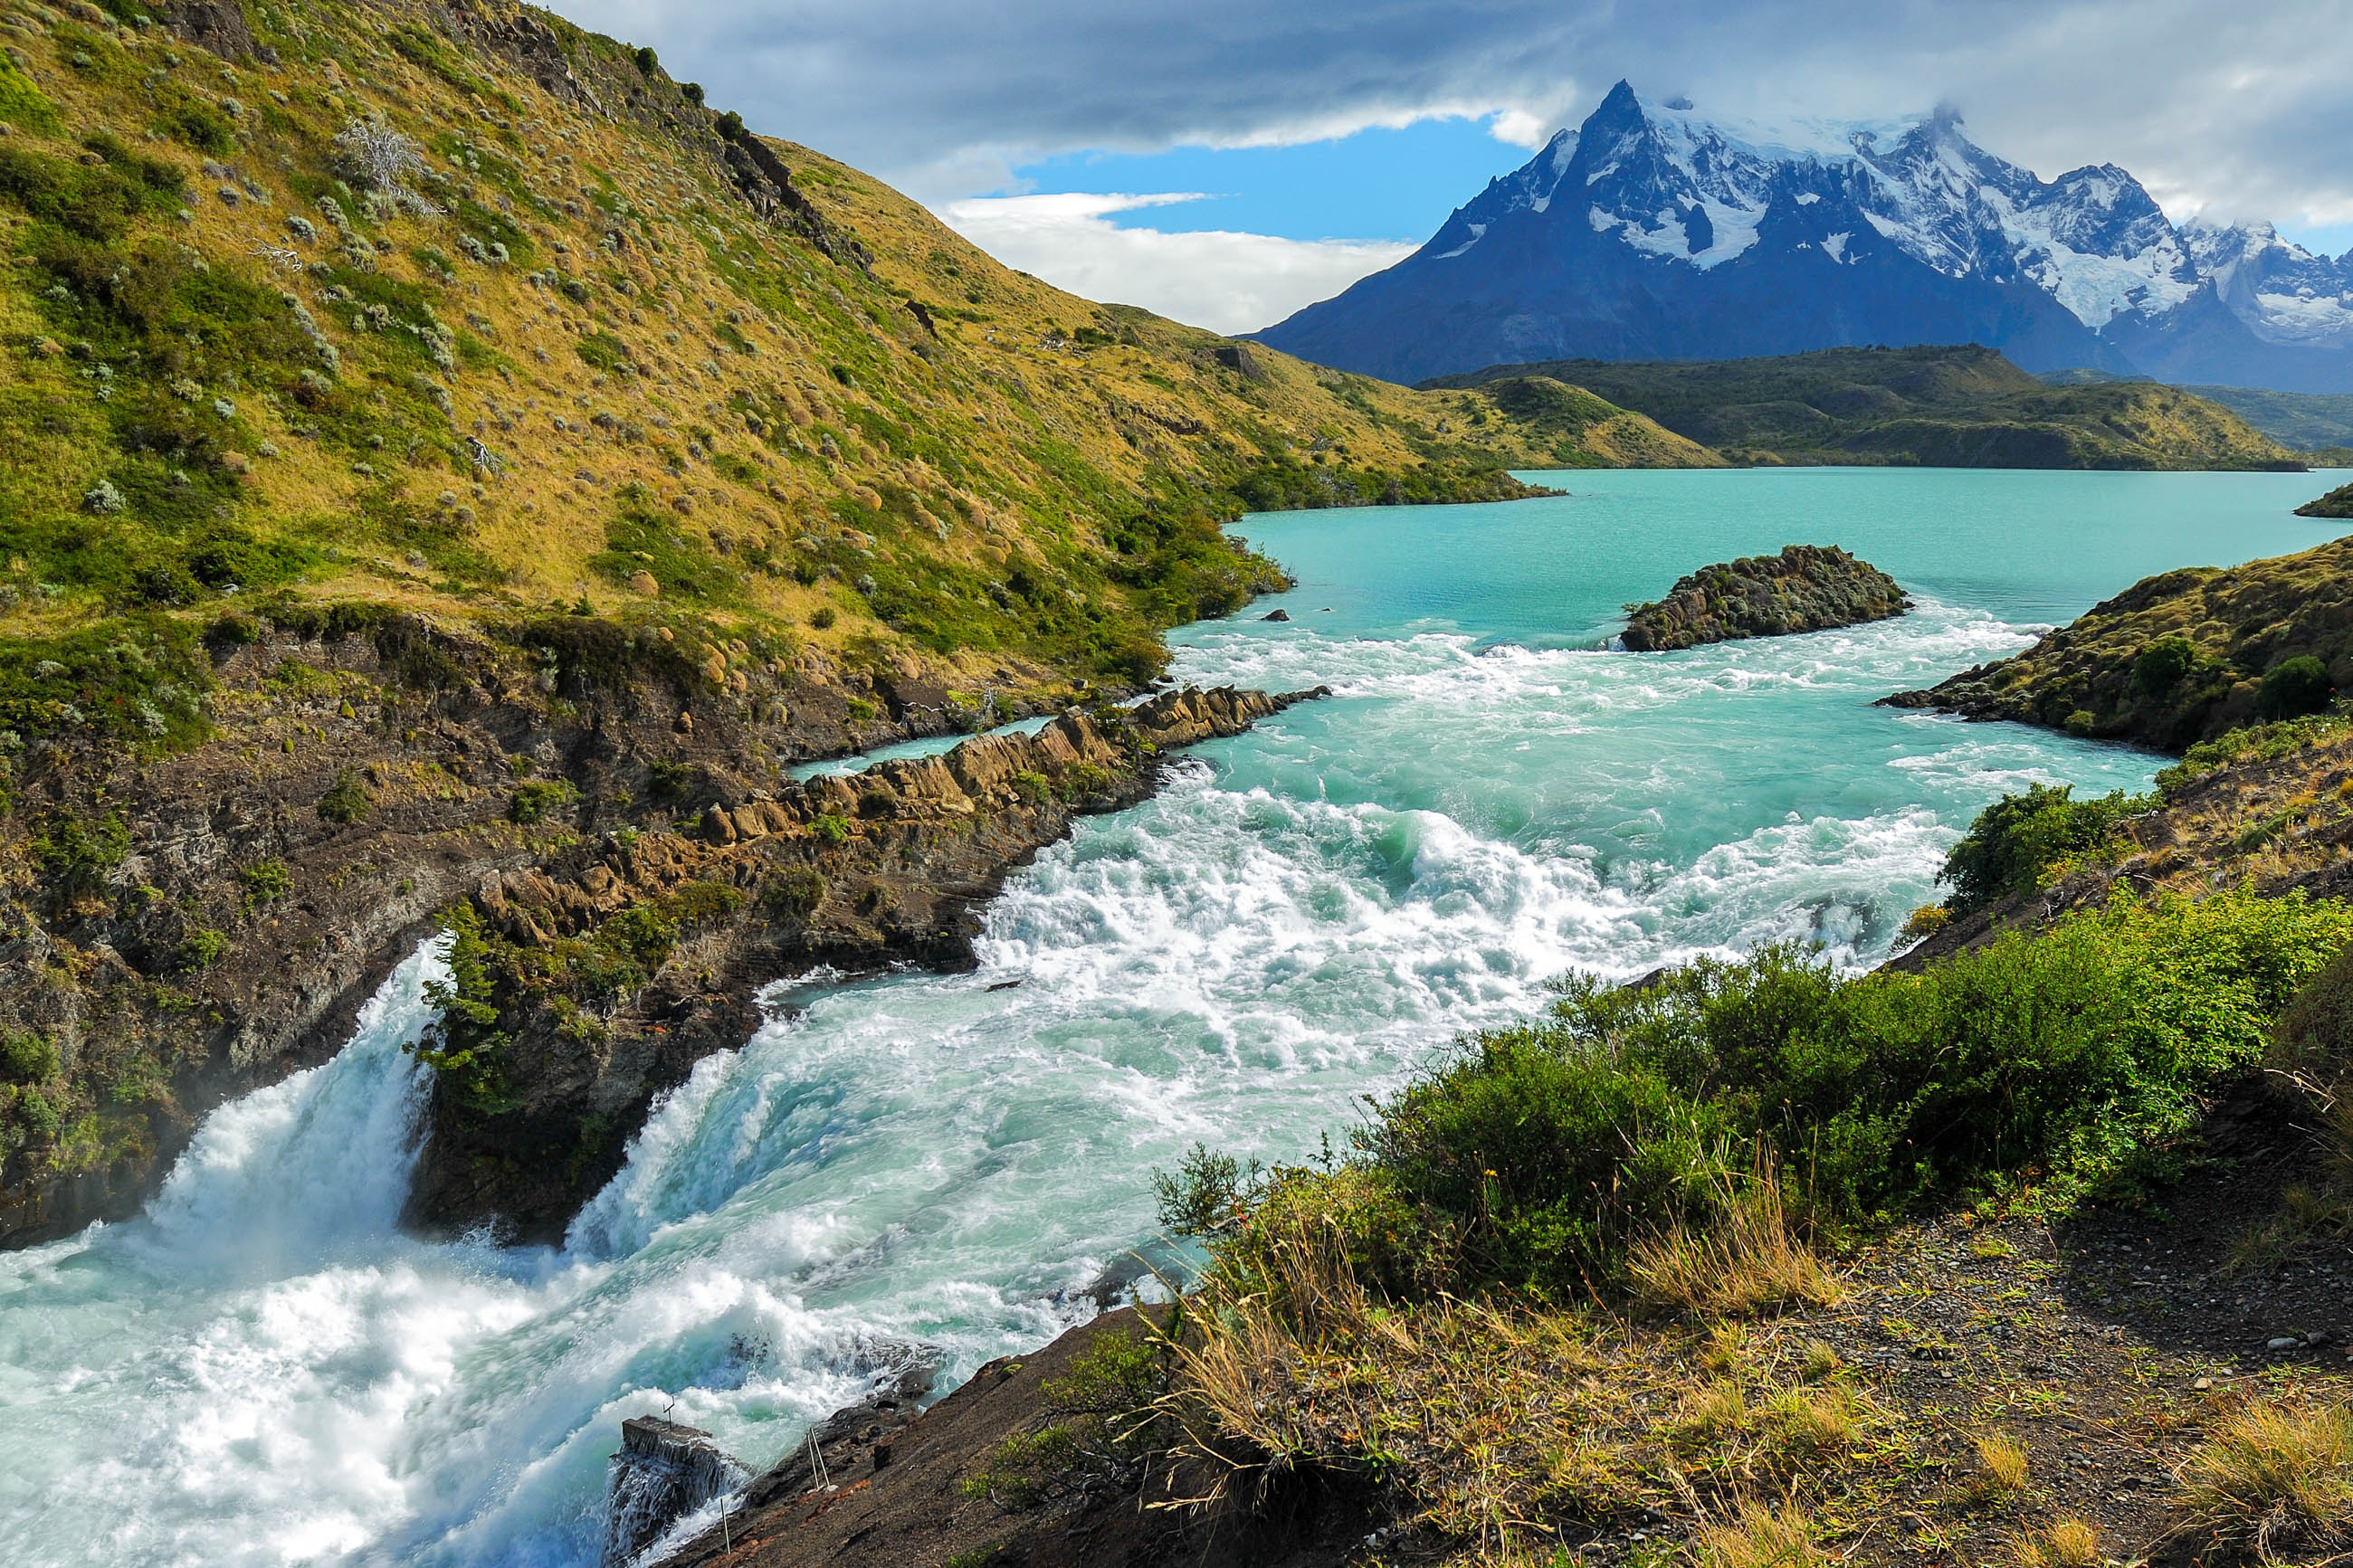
(1566, 255)
(2285, 292)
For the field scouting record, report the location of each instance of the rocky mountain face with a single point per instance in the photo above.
(1652, 232)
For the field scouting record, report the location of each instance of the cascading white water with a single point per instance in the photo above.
(263, 1370)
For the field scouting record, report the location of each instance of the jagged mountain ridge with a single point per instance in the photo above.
(1692, 237)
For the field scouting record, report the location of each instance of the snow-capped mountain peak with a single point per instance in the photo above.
(1634, 233)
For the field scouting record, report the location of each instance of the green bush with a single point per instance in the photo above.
(347, 800)
(831, 826)
(2016, 843)
(75, 855)
(2060, 1064)
(203, 948)
(467, 1043)
(38, 1116)
(2162, 664)
(672, 781)
(537, 799)
(797, 891)
(26, 1056)
(265, 880)
(2294, 688)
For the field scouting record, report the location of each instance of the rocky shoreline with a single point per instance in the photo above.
(1805, 588)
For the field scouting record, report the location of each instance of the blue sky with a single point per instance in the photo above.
(1379, 184)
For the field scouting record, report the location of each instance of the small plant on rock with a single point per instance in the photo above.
(347, 800)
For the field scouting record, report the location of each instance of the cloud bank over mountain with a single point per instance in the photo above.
(2241, 105)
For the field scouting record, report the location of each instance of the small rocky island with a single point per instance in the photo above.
(1805, 588)
(2337, 503)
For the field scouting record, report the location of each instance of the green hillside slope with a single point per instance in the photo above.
(1954, 408)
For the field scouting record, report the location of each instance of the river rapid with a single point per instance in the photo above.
(262, 1369)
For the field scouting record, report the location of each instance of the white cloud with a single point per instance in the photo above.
(1216, 279)
(1518, 128)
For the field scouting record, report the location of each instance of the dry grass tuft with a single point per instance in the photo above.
(2069, 1544)
(1751, 1259)
(1758, 1536)
(2274, 1476)
(2001, 1467)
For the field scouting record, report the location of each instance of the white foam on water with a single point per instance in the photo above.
(263, 1370)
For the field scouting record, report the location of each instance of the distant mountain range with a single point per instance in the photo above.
(1652, 232)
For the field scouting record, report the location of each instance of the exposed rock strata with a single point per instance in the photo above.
(885, 866)
(1805, 588)
(181, 928)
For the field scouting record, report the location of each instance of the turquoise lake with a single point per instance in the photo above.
(262, 1369)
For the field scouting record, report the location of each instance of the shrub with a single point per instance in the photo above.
(537, 799)
(797, 891)
(831, 826)
(37, 1115)
(202, 948)
(1082, 780)
(647, 61)
(346, 801)
(466, 1041)
(76, 855)
(823, 618)
(2256, 743)
(2021, 840)
(26, 1056)
(672, 781)
(2162, 664)
(264, 881)
(2294, 688)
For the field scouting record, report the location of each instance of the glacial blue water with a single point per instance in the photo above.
(260, 1370)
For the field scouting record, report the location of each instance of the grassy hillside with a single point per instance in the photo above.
(2180, 657)
(1953, 407)
(2302, 421)
(466, 310)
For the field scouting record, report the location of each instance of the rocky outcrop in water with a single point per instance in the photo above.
(600, 974)
(1805, 588)
(663, 1472)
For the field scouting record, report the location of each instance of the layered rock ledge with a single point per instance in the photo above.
(1805, 588)
(598, 978)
